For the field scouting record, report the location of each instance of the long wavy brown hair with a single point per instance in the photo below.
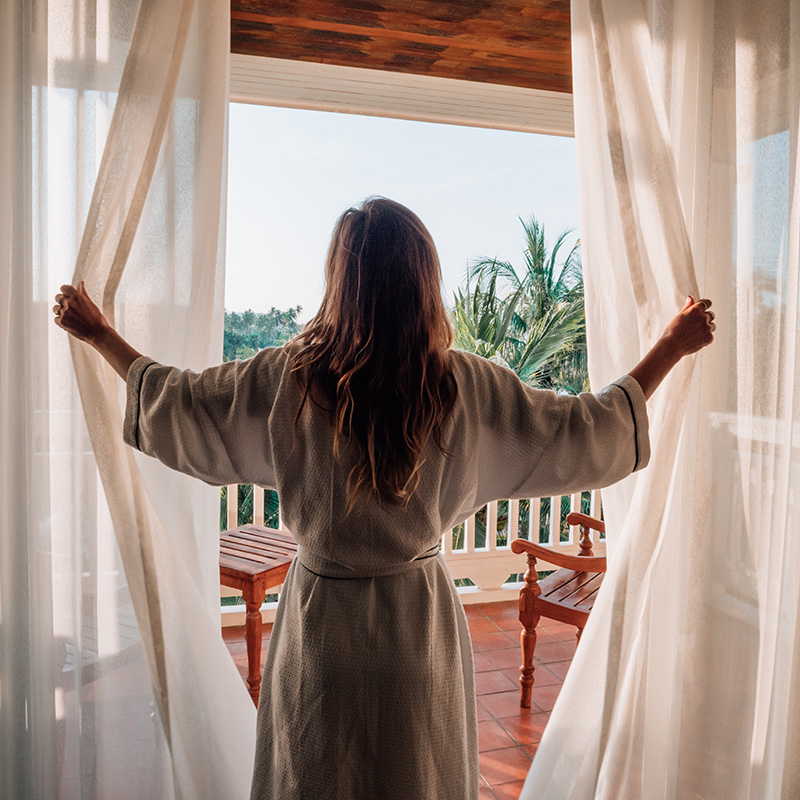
(375, 356)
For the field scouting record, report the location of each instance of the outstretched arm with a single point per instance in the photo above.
(212, 425)
(523, 442)
(77, 314)
(691, 330)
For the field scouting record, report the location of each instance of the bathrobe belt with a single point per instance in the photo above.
(326, 568)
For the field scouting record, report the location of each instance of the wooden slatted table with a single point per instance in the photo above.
(253, 558)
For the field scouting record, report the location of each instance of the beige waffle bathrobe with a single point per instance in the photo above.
(368, 689)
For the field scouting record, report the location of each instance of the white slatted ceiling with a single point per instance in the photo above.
(327, 87)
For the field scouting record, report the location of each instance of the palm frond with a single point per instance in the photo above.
(485, 268)
(531, 320)
(549, 336)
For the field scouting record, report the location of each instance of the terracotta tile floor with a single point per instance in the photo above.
(507, 734)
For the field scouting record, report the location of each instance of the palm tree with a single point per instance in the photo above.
(481, 319)
(532, 319)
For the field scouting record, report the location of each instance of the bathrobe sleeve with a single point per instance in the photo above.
(527, 442)
(212, 425)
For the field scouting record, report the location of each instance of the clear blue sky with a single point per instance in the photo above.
(291, 173)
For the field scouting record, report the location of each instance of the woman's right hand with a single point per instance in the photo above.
(77, 314)
(80, 317)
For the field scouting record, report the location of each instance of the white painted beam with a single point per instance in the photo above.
(353, 90)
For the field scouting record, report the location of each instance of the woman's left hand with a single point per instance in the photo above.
(77, 314)
(690, 330)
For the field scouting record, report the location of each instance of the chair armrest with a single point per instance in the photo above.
(576, 518)
(551, 556)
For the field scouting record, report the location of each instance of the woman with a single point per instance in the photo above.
(377, 437)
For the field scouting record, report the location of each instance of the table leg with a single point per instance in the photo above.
(253, 597)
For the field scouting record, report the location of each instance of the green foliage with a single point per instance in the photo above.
(530, 319)
(250, 331)
(244, 513)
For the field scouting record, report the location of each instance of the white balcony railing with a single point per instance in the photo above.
(478, 551)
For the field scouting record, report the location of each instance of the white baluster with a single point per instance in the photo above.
(574, 530)
(555, 521)
(491, 525)
(595, 509)
(447, 542)
(513, 520)
(258, 505)
(534, 519)
(470, 534)
(233, 506)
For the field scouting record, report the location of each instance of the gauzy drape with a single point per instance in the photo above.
(687, 680)
(114, 681)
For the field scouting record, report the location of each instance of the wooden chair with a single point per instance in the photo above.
(254, 559)
(566, 595)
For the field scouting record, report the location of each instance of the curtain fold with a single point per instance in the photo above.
(686, 681)
(114, 680)
(15, 419)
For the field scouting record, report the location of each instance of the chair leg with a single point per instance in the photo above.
(253, 625)
(529, 620)
(528, 641)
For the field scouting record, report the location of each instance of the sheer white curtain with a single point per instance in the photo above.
(114, 681)
(687, 680)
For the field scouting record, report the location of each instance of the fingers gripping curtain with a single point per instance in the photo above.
(109, 603)
(687, 680)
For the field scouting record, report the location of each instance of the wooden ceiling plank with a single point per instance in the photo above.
(494, 44)
(523, 43)
(427, 15)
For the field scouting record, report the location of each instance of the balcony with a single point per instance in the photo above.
(477, 552)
